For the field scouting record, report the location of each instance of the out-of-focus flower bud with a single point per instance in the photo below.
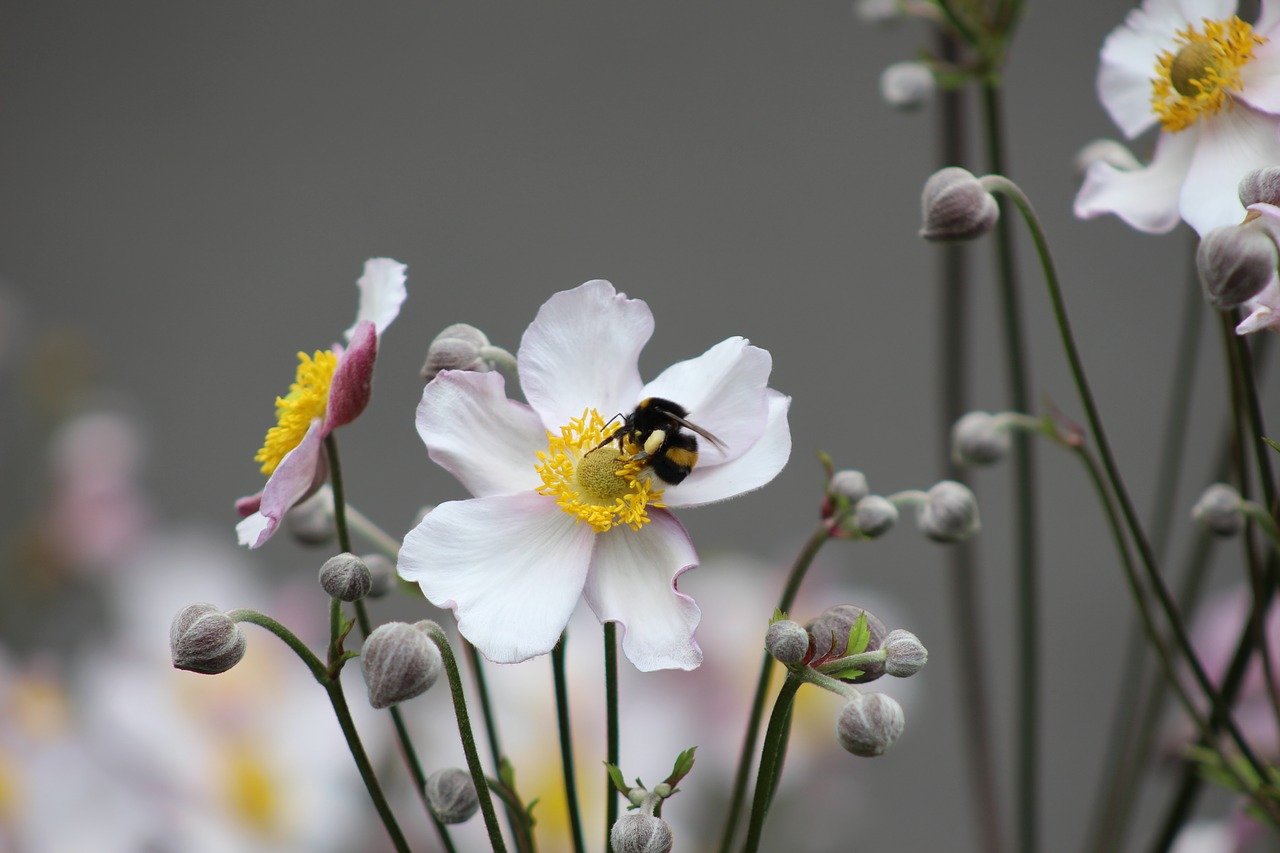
(978, 439)
(787, 641)
(202, 639)
(1260, 185)
(874, 516)
(907, 85)
(869, 724)
(1235, 262)
(641, 833)
(346, 577)
(848, 484)
(950, 512)
(311, 521)
(956, 206)
(462, 347)
(399, 662)
(1106, 151)
(1218, 510)
(383, 574)
(452, 795)
(830, 632)
(905, 655)
(877, 11)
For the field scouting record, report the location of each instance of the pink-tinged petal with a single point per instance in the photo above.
(382, 292)
(582, 350)
(511, 567)
(1262, 311)
(352, 382)
(633, 582)
(1146, 199)
(1268, 20)
(248, 505)
(1234, 143)
(1260, 79)
(724, 391)
(1128, 63)
(751, 470)
(299, 474)
(471, 429)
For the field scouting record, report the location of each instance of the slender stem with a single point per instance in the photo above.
(339, 498)
(289, 638)
(770, 757)
(566, 743)
(794, 579)
(360, 523)
(611, 727)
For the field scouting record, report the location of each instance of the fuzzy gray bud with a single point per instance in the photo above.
(399, 662)
(451, 793)
(202, 639)
(1235, 262)
(346, 577)
(787, 641)
(848, 484)
(905, 655)
(907, 85)
(1260, 185)
(462, 347)
(869, 724)
(978, 439)
(830, 632)
(956, 206)
(1218, 510)
(950, 512)
(874, 516)
(311, 521)
(640, 833)
(383, 574)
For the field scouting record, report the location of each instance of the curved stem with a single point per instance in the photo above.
(611, 727)
(566, 743)
(289, 638)
(771, 756)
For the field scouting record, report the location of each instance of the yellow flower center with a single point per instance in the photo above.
(307, 398)
(1198, 80)
(250, 791)
(600, 485)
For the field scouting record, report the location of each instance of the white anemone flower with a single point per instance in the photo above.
(1212, 83)
(559, 510)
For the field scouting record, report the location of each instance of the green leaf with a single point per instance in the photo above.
(615, 776)
(828, 467)
(778, 616)
(1274, 446)
(684, 763)
(851, 672)
(859, 636)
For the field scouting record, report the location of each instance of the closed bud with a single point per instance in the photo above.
(202, 639)
(1235, 262)
(978, 439)
(907, 85)
(877, 11)
(905, 655)
(462, 347)
(346, 577)
(950, 512)
(1260, 185)
(1106, 151)
(956, 206)
(830, 632)
(399, 662)
(787, 641)
(848, 484)
(869, 724)
(874, 516)
(311, 521)
(383, 574)
(451, 793)
(1218, 510)
(640, 833)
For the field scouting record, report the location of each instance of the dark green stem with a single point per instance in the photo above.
(612, 738)
(566, 743)
(339, 497)
(771, 755)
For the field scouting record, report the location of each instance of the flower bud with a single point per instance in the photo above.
(383, 574)
(877, 11)
(848, 484)
(956, 206)
(640, 833)
(905, 655)
(461, 347)
(1218, 510)
(451, 793)
(950, 512)
(1235, 262)
(907, 85)
(346, 577)
(787, 641)
(874, 516)
(978, 439)
(830, 632)
(1106, 151)
(869, 724)
(1260, 185)
(202, 639)
(311, 521)
(399, 662)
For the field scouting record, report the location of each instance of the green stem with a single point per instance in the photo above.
(566, 743)
(771, 756)
(339, 498)
(611, 727)
(380, 539)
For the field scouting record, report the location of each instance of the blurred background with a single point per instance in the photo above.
(187, 195)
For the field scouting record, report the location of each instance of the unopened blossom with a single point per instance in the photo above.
(560, 511)
(1262, 310)
(331, 389)
(1210, 83)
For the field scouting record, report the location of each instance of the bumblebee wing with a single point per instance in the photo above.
(699, 430)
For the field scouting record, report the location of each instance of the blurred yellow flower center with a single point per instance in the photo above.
(1199, 78)
(307, 398)
(249, 789)
(597, 484)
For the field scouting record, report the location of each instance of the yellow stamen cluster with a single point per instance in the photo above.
(1198, 80)
(600, 485)
(249, 789)
(308, 398)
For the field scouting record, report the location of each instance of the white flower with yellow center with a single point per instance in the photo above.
(1211, 82)
(561, 513)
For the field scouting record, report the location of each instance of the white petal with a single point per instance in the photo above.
(633, 582)
(382, 292)
(254, 530)
(724, 391)
(1263, 310)
(753, 469)
(1268, 19)
(511, 567)
(1146, 199)
(1232, 144)
(474, 432)
(582, 351)
(1260, 79)
(1128, 63)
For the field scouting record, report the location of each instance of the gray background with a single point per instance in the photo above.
(190, 190)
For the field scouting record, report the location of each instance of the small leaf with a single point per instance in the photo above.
(615, 776)
(828, 467)
(851, 672)
(859, 636)
(1274, 446)
(684, 763)
(778, 616)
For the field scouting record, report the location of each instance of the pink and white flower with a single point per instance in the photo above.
(1212, 84)
(545, 526)
(331, 390)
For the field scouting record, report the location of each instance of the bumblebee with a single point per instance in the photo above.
(657, 427)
